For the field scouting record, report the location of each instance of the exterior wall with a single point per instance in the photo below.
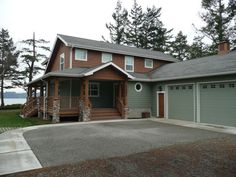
(56, 63)
(155, 88)
(105, 98)
(139, 102)
(94, 58)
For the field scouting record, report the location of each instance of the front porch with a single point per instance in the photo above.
(88, 98)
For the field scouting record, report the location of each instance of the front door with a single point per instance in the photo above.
(160, 110)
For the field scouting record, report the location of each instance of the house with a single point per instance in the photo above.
(95, 80)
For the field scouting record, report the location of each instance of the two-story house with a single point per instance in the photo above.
(96, 80)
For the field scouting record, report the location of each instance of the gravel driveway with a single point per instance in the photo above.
(74, 143)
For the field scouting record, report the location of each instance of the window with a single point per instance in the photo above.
(106, 57)
(231, 85)
(129, 63)
(62, 61)
(204, 86)
(171, 87)
(183, 87)
(81, 54)
(222, 86)
(148, 63)
(138, 87)
(190, 87)
(177, 87)
(213, 86)
(94, 89)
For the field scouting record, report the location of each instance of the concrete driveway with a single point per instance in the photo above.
(73, 143)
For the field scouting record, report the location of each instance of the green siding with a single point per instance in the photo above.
(218, 105)
(180, 103)
(105, 99)
(141, 99)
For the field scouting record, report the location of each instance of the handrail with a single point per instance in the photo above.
(29, 106)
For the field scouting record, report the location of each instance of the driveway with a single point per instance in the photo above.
(73, 143)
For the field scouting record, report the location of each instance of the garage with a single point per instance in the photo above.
(181, 102)
(218, 103)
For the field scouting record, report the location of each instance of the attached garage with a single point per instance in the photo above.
(181, 102)
(218, 103)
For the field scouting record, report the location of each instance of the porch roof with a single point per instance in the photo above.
(79, 72)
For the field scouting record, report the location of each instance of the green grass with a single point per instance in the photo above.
(11, 118)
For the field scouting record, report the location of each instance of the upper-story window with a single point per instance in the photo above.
(62, 61)
(129, 63)
(81, 54)
(148, 63)
(106, 57)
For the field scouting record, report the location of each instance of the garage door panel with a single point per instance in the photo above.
(180, 102)
(218, 104)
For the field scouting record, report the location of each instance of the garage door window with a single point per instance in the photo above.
(213, 86)
(222, 86)
(190, 87)
(231, 85)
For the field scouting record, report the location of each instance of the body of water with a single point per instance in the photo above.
(9, 101)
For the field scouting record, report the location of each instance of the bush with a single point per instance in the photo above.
(12, 106)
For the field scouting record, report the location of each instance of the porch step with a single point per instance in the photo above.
(105, 114)
(31, 113)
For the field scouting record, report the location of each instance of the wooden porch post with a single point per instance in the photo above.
(29, 92)
(35, 92)
(56, 88)
(56, 103)
(86, 92)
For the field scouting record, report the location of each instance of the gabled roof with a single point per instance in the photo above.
(202, 67)
(80, 72)
(113, 48)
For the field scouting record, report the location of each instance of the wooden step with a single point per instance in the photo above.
(104, 114)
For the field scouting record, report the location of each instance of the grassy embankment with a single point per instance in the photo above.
(11, 118)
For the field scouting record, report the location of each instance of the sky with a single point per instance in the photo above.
(87, 18)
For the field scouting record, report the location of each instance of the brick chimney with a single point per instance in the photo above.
(223, 48)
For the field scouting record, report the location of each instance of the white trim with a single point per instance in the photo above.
(145, 65)
(198, 103)
(130, 65)
(157, 101)
(166, 108)
(105, 53)
(58, 36)
(82, 59)
(217, 81)
(71, 50)
(141, 87)
(62, 56)
(106, 65)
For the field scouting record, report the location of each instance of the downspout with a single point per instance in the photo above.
(71, 52)
(44, 100)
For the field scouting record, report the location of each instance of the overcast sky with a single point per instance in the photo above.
(86, 18)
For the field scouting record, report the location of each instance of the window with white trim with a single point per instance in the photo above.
(94, 89)
(129, 63)
(106, 57)
(62, 61)
(148, 63)
(138, 87)
(81, 54)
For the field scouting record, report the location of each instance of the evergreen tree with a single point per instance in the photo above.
(199, 49)
(134, 31)
(117, 30)
(179, 47)
(219, 18)
(32, 56)
(8, 61)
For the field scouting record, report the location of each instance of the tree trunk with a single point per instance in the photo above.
(2, 93)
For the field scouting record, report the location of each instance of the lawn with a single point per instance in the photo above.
(11, 118)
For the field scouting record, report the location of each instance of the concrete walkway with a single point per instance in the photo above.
(210, 127)
(16, 155)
